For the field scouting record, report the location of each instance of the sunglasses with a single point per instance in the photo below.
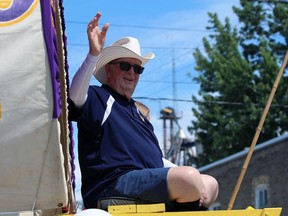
(125, 66)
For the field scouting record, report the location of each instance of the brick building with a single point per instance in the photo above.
(265, 181)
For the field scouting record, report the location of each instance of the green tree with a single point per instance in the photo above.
(236, 74)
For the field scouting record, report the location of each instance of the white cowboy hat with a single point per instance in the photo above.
(127, 47)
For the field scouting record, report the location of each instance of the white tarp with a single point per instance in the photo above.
(31, 160)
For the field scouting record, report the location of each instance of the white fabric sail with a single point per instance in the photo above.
(31, 157)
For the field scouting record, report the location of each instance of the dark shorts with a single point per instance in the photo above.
(147, 184)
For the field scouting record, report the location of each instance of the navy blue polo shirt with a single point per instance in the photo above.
(113, 138)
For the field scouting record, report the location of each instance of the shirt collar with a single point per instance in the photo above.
(116, 94)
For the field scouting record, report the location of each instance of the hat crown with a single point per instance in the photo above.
(129, 43)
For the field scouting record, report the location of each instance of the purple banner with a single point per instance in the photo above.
(49, 23)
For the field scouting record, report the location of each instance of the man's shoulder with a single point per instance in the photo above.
(94, 88)
(97, 93)
(97, 89)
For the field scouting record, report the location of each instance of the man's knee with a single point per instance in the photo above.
(184, 184)
(184, 174)
(212, 189)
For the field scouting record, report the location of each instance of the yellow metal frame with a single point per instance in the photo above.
(159, 210)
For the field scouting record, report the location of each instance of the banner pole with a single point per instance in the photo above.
(257, 133)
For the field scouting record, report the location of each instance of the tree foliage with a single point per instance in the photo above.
(237, 70)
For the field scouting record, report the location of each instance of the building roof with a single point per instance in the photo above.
(240, 154)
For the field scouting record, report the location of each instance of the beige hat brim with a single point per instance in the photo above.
(115, 52)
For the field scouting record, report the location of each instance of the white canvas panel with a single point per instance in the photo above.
(31, 158)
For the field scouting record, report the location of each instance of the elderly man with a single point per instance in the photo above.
(119, 154)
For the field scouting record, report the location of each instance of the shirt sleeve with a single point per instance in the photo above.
(81, 80)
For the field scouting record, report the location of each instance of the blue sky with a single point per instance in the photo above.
(172, 29)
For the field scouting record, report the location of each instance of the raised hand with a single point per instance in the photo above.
(96, 37)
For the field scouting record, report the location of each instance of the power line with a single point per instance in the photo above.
(208, 102)
(168, 87)
(168, 62)
(143, 27)
(272, 1)
(168, 82)
(143, 47)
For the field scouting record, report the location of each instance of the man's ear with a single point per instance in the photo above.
(107, 70)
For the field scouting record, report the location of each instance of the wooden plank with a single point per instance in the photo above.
(122, 209)
(246, 212)
(24, 213)
(151, 208)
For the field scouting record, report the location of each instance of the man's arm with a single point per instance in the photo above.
(81, 80)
